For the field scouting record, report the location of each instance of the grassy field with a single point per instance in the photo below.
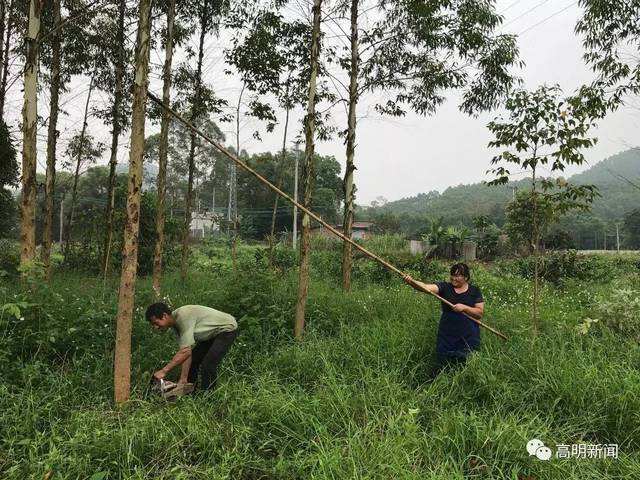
(350, 401)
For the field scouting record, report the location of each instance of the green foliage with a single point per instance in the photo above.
(487, 240)
(86, 252)
(385, 223)
(619, 311)
(632, 228)
(559, 239)
(8, 178)
(461, 204)
(447, 239)
(386, 244)
(255, 201)
(411, 39)
(8, 214)
(9, 256)
(609, 27)
(9, 163)
(544, 129)
(348, 401)
(557, 267)
(83, 151)
(520, 219)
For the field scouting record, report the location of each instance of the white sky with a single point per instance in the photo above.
(395, 157)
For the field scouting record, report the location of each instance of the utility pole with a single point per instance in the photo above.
(617, 238)
(61, 218)
(295, 197)
(213, 195)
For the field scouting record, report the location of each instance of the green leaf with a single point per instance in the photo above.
(99, 476)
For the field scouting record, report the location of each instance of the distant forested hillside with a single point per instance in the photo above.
(617, 178)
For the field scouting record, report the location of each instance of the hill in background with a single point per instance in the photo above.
(617, 178)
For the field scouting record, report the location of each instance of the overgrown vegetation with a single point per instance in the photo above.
(350, 401)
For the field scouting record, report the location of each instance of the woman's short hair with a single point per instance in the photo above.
(156, 310)
(461, 269)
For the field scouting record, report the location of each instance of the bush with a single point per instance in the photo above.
(619, 311)
(488, 241)
(556, 266)
(284, 257)
(86, 253)
(9, 256)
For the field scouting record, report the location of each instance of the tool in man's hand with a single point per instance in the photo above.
(170, 390)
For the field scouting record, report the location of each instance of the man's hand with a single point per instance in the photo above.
(459, 307)
(160, 374)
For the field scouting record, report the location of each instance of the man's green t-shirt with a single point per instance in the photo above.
(195, 323)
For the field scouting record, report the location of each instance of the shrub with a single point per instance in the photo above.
(488, 242)
(556, 266)
(619, 311)
(9, 256)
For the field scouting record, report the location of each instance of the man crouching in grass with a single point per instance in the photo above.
(204, 336)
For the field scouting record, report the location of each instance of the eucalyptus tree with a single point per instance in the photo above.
(192, 91)
(29, 139)
(113, 76)
(163, 145)
(309, 133)
(126, 294)
(64, 54)
(611, 37)
(542, 130)
(52, 136)
(10, 24)
(180, 25)
(82, 151)
(270, 54)
(415, 52)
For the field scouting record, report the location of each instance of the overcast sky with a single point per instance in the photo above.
(397, 158)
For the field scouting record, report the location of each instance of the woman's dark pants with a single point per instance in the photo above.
(208, 355)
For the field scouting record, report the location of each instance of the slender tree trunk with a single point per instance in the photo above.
(349, 190)
(5, 60)
(309, 132)
(233, 181)
(283, 155)
(29, 128)
(536, 255)
(233, 187)
(115, 136)
(74, 193)
(164, 140)
(3, 21)
(122, 359)
(52, 137)
(195, 112)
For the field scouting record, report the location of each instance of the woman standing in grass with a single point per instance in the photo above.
(458, 336)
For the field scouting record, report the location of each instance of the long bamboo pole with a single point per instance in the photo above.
(318, 219)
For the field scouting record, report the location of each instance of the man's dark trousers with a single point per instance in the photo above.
(209, 354)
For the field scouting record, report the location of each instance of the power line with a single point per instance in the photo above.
(525, 13)
(512, 5)
(548, 18)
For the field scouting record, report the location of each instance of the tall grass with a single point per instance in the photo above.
(351, 401)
